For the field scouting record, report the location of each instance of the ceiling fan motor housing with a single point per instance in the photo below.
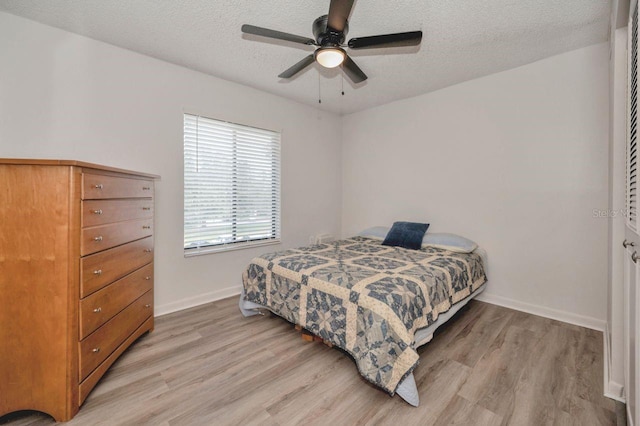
(326, 36)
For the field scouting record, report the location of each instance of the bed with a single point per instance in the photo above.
(376, 302)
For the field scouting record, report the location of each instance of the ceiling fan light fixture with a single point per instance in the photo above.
(330, 57)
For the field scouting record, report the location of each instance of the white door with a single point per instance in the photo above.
(631, 276)
(632, 242)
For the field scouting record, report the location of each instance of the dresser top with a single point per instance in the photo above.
(41, 162)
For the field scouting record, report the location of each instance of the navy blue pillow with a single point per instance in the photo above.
(406, 234)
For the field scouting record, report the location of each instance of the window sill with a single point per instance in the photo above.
(229, 247)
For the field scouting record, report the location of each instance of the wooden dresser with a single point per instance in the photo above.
(76, 278)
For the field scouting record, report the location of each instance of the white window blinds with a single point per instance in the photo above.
(231, 185)
(632, 147)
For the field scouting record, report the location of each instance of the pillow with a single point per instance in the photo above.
(451, 242)
(377, 232)
(408, 235)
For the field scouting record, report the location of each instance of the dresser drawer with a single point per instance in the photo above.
(92, 379)
(100, 212)
(98, 187)
(99, 345)
(102, 305)
(98, 270)
(98, 238)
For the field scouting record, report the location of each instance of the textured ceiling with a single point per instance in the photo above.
(463, 39)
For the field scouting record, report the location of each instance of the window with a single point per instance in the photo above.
(231, 185)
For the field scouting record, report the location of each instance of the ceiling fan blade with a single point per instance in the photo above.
(339, 11)
(352, 70)
(265, 32)
(411, 38)
(308, 60)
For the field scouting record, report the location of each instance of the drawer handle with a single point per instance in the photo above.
(97, 211)
(98, 238)
(146, 227)
(148, 305)
(97, 272)
(147, 250)
(626, 244)
(147, 278)
(146, 208)
(95, 350)
(99, 186)
(146, 188)
(97, 310)
(635, 257)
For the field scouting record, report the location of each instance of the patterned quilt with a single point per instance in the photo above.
(365, 298)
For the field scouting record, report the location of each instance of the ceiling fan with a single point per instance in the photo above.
(330, 33)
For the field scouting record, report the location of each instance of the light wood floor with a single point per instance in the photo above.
(210, 366)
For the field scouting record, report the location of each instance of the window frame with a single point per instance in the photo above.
(275, 198)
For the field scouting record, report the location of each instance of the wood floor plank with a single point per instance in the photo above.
(548, 386)
(437, 385)
(459, 411)
(472, 342)
(491, 383)
(590, 369)
(209, 365)
(585, 412)
(534, 323)
(318, 400)
(359, 403)
(449, 331)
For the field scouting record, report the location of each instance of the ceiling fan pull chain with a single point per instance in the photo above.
(319, 93)
(342, 83)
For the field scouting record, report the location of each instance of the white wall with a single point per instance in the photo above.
(66, 96)
(517, 161)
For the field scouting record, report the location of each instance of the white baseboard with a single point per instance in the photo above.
(201, 299)
(568, 317)
(615, 391)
